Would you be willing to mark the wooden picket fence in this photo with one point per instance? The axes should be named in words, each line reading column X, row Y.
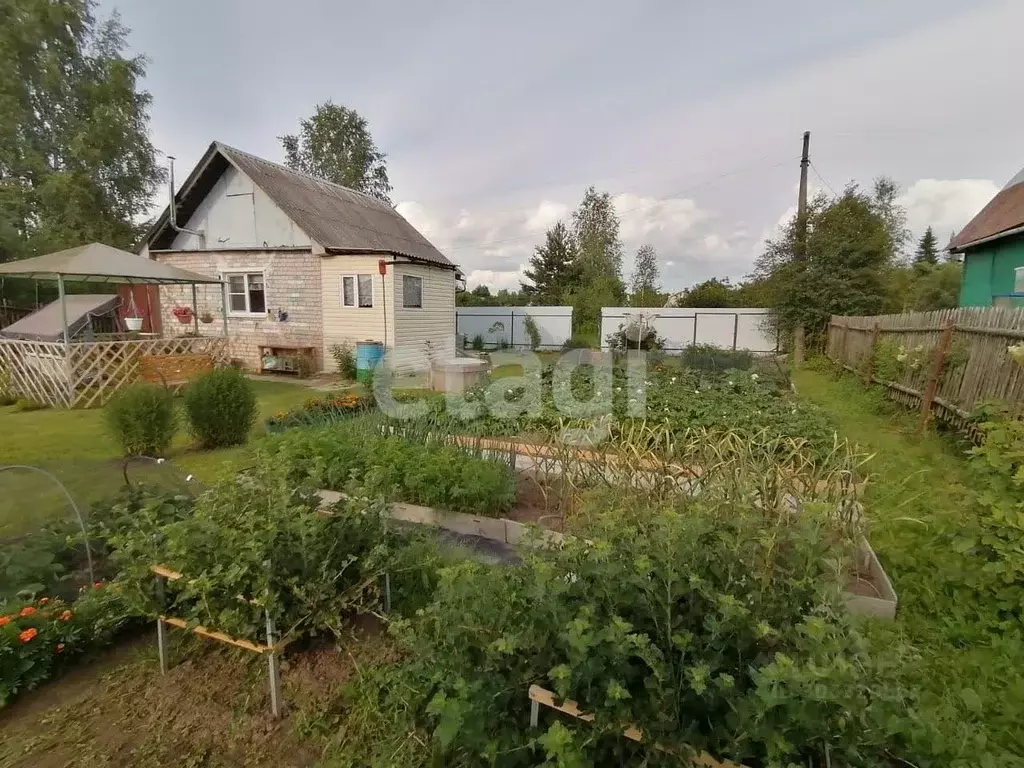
column 958, row 358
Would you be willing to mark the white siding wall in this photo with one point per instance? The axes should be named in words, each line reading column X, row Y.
column 354, row 324
column 434, row 322
column 238, row 214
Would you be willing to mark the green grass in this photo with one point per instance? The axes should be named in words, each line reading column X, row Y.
column 75, row 446
column 917, row 500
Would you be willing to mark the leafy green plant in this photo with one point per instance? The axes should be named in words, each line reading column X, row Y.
column 635, row 334
column 360, row 457
column 582, row 341
column 707, row 357
column 221, row 408
column 7, row 395
column 532, row 331
column 478, row 343
column 142, row 419
column 344, row 360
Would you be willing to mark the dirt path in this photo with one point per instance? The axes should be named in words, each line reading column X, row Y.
column 211, row 709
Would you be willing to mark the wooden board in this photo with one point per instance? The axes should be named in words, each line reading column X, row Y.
column 173, row 369
column 571, row 708
column 219, row 636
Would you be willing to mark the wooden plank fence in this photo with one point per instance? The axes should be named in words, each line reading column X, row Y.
column 942, row 363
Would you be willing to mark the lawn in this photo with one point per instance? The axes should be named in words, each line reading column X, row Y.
column 74, row 445
column 917, row 502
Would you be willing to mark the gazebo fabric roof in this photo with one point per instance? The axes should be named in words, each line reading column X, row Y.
column 100, row 263
column 45, row 324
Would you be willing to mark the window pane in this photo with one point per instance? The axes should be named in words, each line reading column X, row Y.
column 1018, row 282
column 236, row 283
column 237, row 302
column 257, row 294
column 255, row 281
column 348, row 291
column 412, row 291
column 365, row 290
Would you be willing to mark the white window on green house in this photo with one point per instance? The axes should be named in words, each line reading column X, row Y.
column 247, row 294
column 1018, row 280
column 357, row 291
column 412, row 292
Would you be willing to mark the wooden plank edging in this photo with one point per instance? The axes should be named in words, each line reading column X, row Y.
column 571, row 708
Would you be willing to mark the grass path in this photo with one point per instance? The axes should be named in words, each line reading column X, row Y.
column 917, row 501
column 75, row 446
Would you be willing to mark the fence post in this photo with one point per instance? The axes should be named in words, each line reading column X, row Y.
column 798, row 345
column 512, row 333
column 933, row 375
column 869, row 369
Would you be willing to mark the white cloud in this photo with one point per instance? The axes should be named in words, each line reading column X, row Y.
column 494, row 280
column 945, row 204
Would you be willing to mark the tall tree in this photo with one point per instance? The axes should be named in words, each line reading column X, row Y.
column 927, row 249
column 76, row 161
column 849, row 255
column 710, row 293
column 550, row 269
column 335, row 144
column 597, row 269
column 884, row 200
column 646, row 291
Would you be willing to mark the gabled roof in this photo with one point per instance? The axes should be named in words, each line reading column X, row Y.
column 1003, row 215
column 340, row 219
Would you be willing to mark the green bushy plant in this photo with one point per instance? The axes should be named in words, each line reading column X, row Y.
column 7, row 396
column 635, row 334
column 27, row 404
column 344, row 360
column 142, row 419
column 532, row 331
column 478, row 343
column 582, row 341
column 221, row 408
column 707, row 357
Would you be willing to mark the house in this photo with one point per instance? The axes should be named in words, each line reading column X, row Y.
column 992, row 245
column 307, row 264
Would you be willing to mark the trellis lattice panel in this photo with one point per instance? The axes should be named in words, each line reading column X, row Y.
column 37, row 370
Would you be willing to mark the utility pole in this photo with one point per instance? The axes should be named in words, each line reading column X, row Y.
column 801, row 203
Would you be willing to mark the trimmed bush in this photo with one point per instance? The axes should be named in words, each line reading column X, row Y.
column 221, row 408
column 141, row 418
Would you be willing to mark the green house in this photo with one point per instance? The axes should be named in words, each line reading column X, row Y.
column 992, row 245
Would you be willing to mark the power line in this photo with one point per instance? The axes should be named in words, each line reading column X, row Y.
column 674, row 195
column 822, row 179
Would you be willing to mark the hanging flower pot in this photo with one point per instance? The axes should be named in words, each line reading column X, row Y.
column 184, row 314
column 206, row 317
column 133, row 324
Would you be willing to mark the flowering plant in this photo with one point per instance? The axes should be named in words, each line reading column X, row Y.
column 1016, row 353
column 184, row 314
column 321, row 411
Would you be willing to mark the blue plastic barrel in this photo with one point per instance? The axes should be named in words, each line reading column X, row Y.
column 368, row 355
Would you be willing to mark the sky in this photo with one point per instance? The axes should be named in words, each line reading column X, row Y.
column 496, row 117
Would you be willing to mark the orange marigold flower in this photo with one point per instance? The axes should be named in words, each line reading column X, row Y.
column 4, row 621
column 97, row 584
column 28, row 610
column 28, row 634
column 60, row 647
column 66, row 616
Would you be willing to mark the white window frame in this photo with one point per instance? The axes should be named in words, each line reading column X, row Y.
column 244, row 274
column 1018, row 280
column 412, row 306
column 356, row 294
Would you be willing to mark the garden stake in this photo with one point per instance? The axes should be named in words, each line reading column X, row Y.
column 161, row 630
column 387, row 592
column 272, row 668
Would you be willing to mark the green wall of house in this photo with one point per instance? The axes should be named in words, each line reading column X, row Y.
column 990, row 270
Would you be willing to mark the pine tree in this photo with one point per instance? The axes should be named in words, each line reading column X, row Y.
column 646, row 290
column 927, row 249
column 551, row 267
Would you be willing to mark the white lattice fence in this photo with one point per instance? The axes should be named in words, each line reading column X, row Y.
column 38, row 370
column 100, row 368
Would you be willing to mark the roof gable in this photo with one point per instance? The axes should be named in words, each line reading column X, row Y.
column 1003, row 214
column 337, row 218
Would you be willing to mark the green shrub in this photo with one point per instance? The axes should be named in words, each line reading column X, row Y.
column 478, row 343
column 345, row 360
column 581, row 341
column 635, row 334
column 221, row 408
column 707, row 357
column 7, row 396
column 142, row 419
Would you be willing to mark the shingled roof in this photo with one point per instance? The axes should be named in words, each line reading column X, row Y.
column 1003, row 214
column 335, row 217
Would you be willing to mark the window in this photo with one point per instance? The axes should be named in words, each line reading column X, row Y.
column 246, row 293
column 357, row 291
column 1018, row 280
column 412, row 291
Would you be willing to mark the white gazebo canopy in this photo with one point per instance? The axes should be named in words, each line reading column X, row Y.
column 98, row 263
